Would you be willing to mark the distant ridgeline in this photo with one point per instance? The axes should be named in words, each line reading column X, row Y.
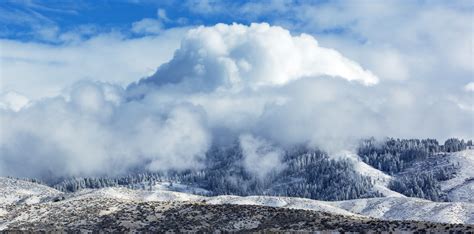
column 418, row 165
column 308, row 173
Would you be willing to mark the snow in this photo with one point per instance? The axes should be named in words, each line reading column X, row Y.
column 380, row 179
column 15, row 191
column 393, row 208
column 283, row 202
column 461, row 187
column 177, row 187
column 390, row 208
column 121, row 193
column 108, row 211
column 3, row 212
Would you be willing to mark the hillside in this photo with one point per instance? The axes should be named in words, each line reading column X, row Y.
column 394, row 168
column 18, row 192
column 461, row 186
column 379, row 179
column 150, row 201
column 122, row 209
column 458, row 186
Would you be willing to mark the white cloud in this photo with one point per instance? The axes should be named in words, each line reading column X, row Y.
column 38, row 70
column 260, row 157
column 161, row 13
column 205, row 6
column 13, row 101
column 397, row 40
column 92, row 133
column 147, row 26
column 150, row 26
column 389, row 64
column 237, row 56
column 257, row 83
column 248, row 86
column 469, row 87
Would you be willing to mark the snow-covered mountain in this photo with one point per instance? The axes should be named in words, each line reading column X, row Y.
column 396, row 168
column 25, row 205
column 459, row 188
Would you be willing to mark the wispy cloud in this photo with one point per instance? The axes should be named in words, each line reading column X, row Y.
column 24, row 19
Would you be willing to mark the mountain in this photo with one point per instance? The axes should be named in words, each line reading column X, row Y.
column 30, row 206
column 457, row 187
column 402, row 185
column 394, row 168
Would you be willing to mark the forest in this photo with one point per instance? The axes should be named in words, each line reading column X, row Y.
column 306, row 172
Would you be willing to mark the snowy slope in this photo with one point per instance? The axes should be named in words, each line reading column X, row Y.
column 461, row 187
column 380, row 179
column 16, row 194
column 171, row 186
column 284, row 202
column 393, row 208
column 122, row 210
column 388, row 208
column 13, row 191
column 121, row 193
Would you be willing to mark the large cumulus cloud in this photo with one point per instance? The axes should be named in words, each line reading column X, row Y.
column 256, row 83
column 237, row 56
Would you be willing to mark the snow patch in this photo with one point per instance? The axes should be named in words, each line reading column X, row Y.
column 108, row 211
column 461, row 187
column 380, row 179
column 393, row 208
column 13, row 191
column 3, row 212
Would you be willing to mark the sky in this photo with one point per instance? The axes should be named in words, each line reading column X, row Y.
column 99, row 87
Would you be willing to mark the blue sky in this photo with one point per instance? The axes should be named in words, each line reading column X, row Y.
column 21, row 20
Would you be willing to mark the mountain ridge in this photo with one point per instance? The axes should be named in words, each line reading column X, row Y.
column 388, row 208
